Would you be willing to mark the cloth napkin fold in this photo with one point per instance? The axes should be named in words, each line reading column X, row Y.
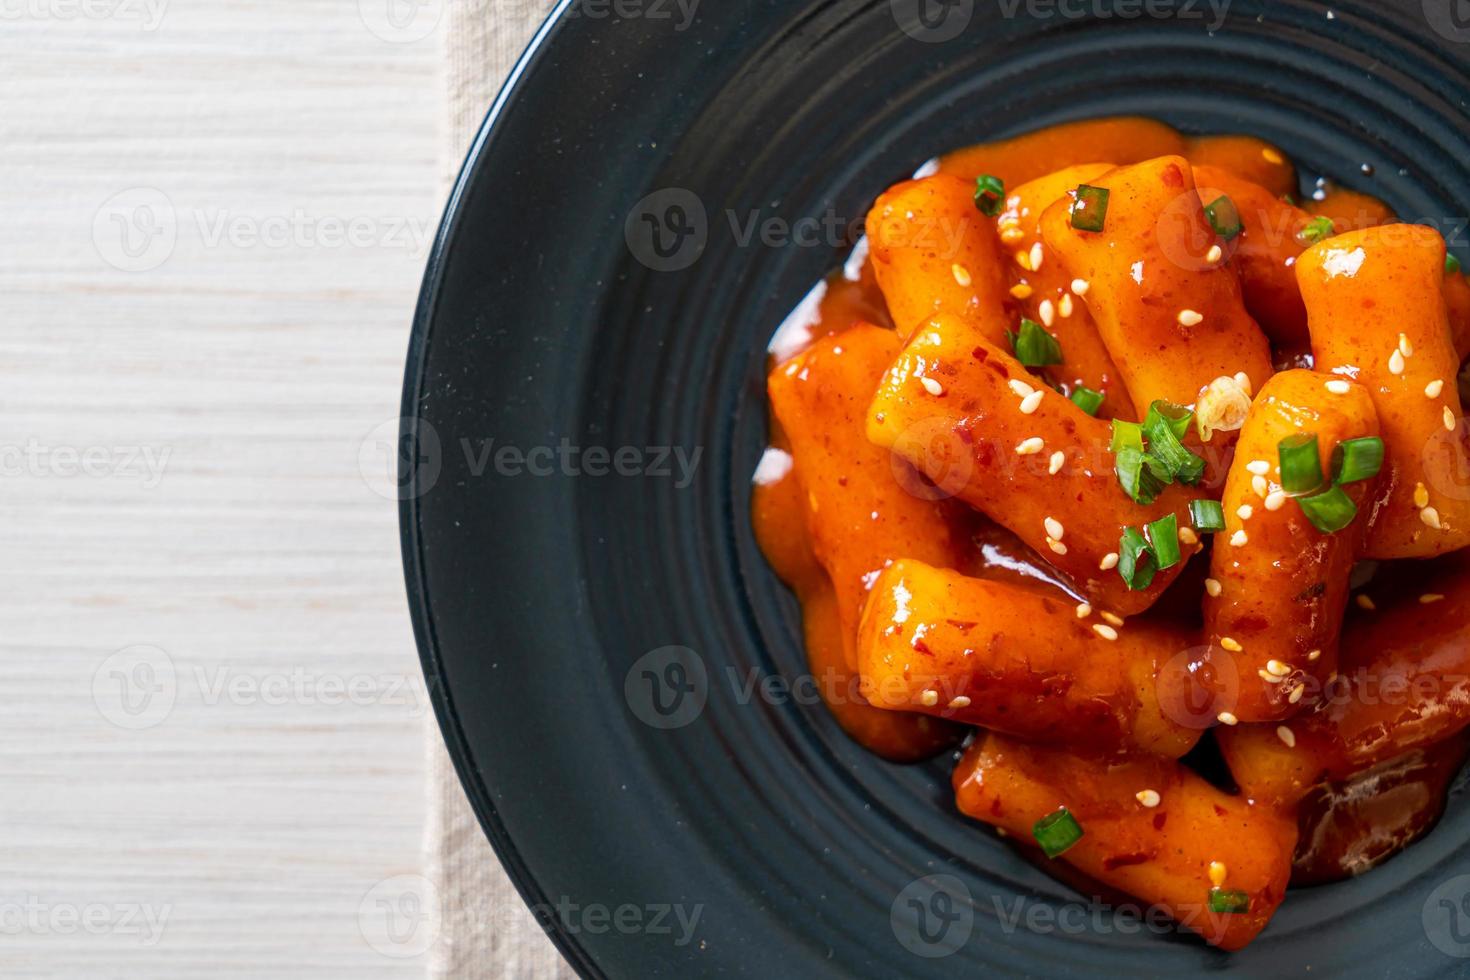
column 487, row 931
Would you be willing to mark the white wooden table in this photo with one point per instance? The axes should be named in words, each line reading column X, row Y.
column 214, row 217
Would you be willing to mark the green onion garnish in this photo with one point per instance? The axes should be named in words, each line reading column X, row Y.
column 1301, row 463
column 1137, row 475
column 1135, row 560
column 1090, row 211
column 1224, row 217
column 1329, row 511
column 1317, row 230
column 1163, row 427
column 1224, row 902
column 1207, row 515
column 990, row 191
column 1087, row 400
column 1163, row 538
column 1035, row 347
column 1057, row 832
column 1357, row 459
column 1451, row 264
column 1126, row 435
column 1289, row 199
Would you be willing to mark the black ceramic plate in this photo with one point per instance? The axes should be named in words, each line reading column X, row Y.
column 650, row 196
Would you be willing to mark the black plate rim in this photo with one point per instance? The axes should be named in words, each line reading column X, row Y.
column 447, row 715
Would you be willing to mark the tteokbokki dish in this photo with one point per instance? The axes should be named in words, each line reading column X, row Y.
column 1118, row 466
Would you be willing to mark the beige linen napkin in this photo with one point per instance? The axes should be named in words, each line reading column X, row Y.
column 487, row 931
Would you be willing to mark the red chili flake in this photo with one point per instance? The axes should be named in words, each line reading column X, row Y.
column 980, row 354
column 1159, row 819
column 922, row 647
column 1172, row 176
column 1220, row 810
column 963, row 626
column 1125, row 860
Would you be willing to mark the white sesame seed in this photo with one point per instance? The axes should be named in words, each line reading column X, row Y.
column 1217, row 873
column 1366, row 603
column 1296, row 693
column 1278, row 668
column 929, row 698
column 1021, row 291
column 1396, row 363
column 1339, row 387
column 1083, row 610
column 1405, row 348
column 1421, row 495
column 1064, row 305
column 1031, row 403
column 1030, row 447
column 1245, row 511
column 1239, row 539
column 932, row 387
column 1231, row 644
column 1276, row 500
column 1430, row 597
column 1149, row 798
column 1286, row 735
column 1434, row 389
column 1260, row 487
column 1190, row 318
column 1259, row 467
column 1020, row 388
column 1106, row 632
column 1054, row 528
column 1213, row 587
column 1112, row 619
column 1430, row 516
column 1024, row 261
column 1214, row 255
column 1314, row 656
column 1048, row 312
column 1272, row 156
column 961, row 274
column 1080, row 286
column 960, row 702
column 1056, row 546
column 1058, row 460
column 1036, row 256
column 1449, row 419
column 1269, row 677
column 1187, row 536
column 1226, row 718
column 1109, row 561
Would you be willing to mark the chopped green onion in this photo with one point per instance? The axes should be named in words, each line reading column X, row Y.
column 1137, row 475
column 1451, row 264
column 1317, row 230
column 1289, row 199
column 1126, row 435
column 1165, row 424
column 1035, row 347
column 1301, row 463
column 990, row 191
column 1135, row 560
column 1087, row 400
column 1090, row 212
column 1207, row 515
column 1163, row 537
column 1224, row 902
column 1329, row 511
column 1057, row 832
column 1224, row 217
column 1357, row 459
